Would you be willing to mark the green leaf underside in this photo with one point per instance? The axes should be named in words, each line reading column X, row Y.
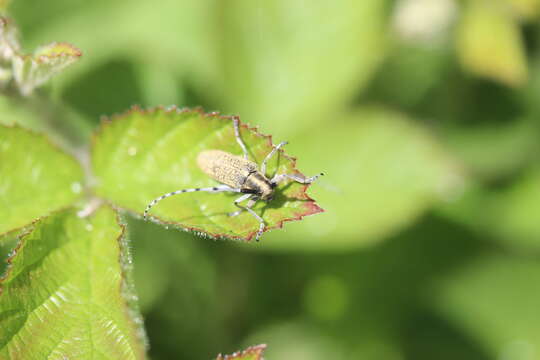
column 141, row 155
column 251, row 353
column 36, row 179
column 61, row 297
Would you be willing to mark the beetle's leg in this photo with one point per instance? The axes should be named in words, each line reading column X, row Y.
column 261, row 221
column 279, row 178
column 236, row 123
column 215, row 189
column 270, row 154
column 250, row 204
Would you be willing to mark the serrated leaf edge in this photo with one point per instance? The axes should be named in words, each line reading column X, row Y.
column 42, row 58
column 127, row 287
column 29, row 228
column 256, row 350
column 312, row 206
column 135, row 323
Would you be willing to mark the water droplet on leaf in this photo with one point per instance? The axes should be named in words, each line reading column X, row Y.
column 76, row 187
column 132, row 151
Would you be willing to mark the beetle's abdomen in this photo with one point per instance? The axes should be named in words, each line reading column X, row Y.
column 225, row 167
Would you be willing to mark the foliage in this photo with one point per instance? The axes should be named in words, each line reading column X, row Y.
column 31, row 70
column 37, row 177
column 423, row 114
column 55, row 301
column 141, row 155
column 251, row 353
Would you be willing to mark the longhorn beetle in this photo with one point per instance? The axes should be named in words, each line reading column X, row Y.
column 240, row 175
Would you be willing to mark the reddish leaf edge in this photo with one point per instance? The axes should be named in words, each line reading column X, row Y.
column 125, row 290
column 311, row 205
column 256, row 350
column 42, row 58
column 26, row 230
column 77, row 53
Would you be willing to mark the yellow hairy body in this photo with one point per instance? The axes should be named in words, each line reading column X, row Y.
column 225, row 167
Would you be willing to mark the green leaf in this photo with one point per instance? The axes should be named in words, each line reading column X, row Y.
column 383, row 171
column 64, row 293
column 251, row 353
column 141, row 155
column 489, row 43
column 508, row 214
column 495, row 300
column 31, row 71
column 37, row 177
column 286, row 64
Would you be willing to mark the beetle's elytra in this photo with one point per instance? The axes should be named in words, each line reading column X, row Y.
column 235, row 171
column 238, row 174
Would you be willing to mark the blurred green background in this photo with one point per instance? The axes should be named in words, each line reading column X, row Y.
column 425, row 116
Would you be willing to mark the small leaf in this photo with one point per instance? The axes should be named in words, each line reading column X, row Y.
column 251, row 353
column 489, row 43
column 36, row 179
column 9, row 41
column 31, row 71
column 141, row 155
column 62, row 295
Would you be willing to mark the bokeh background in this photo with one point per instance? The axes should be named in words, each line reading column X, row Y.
column 425, row 116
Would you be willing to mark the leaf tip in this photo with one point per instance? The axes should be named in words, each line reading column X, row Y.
column 56, row 50
column 255, row 352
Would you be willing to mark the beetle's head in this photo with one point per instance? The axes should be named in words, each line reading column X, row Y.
column 267, row 191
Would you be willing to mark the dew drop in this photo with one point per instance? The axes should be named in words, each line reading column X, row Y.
column 76, row 187
column 89, row 227
column 132, row 151
column 166, row 228
column 36, row 172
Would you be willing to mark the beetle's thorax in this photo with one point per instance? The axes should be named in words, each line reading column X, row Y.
column 259, row 184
